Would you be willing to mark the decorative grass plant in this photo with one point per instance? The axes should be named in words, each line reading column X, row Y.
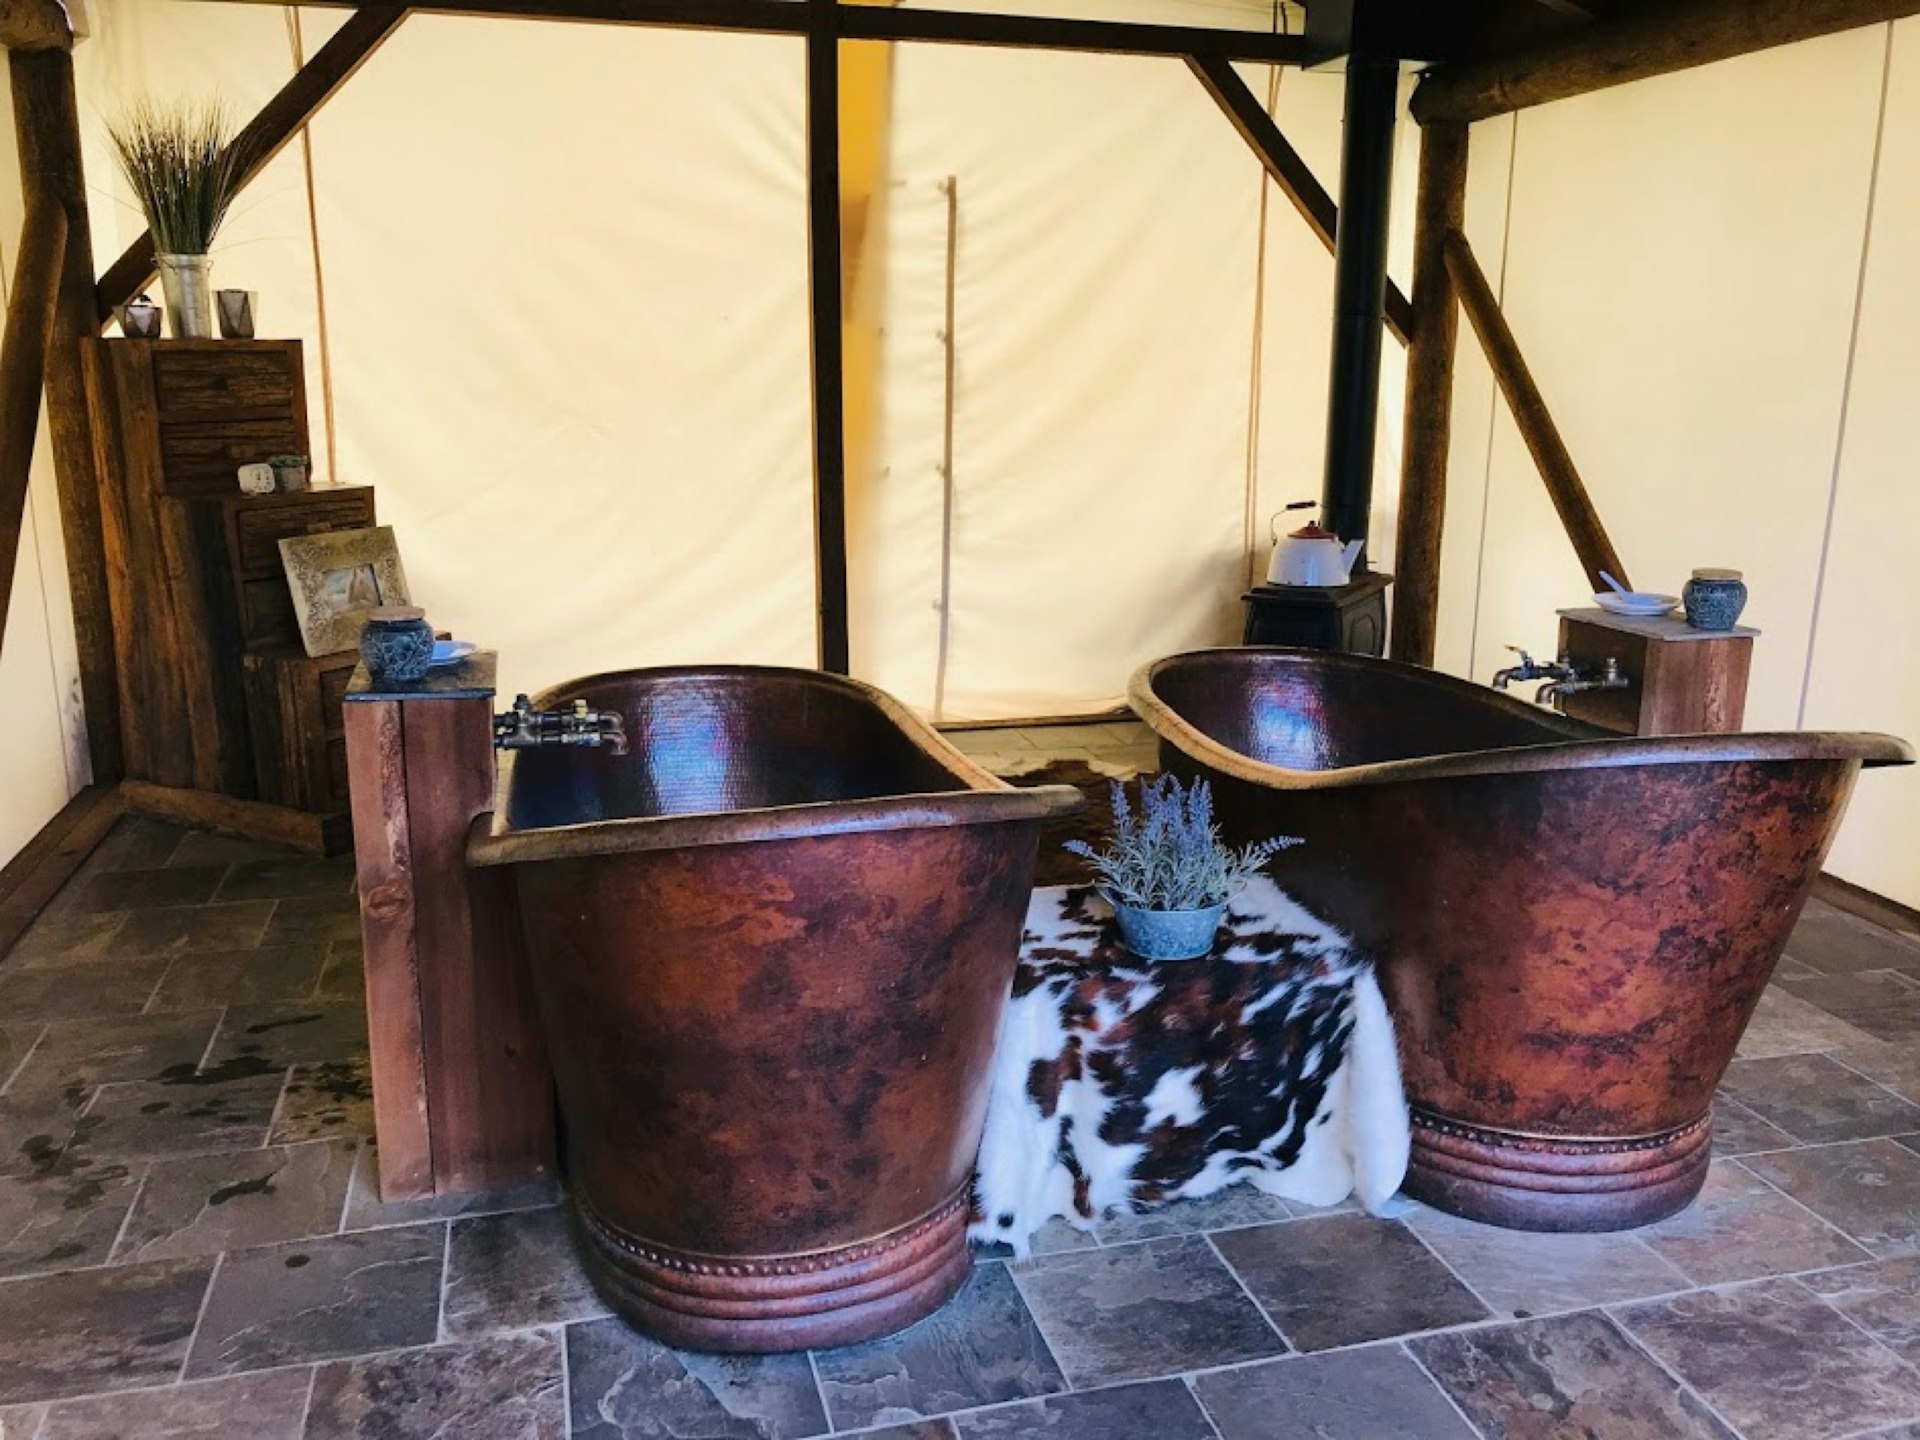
column 1170, row 855
column 181, row 165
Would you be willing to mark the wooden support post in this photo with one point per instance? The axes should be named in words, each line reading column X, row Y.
column 23, row 362
column 829, row 379
column 46, row 123
column 1564, row 485
column 462, row 1094
column 1286, row 168
column 1439, row 210
column 1651, row 40
column 269, row 132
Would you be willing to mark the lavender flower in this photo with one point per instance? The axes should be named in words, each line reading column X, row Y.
column 1169, row 856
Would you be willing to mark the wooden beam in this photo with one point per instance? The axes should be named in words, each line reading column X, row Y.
column 826, row 309
column 1286, row 168
column 865, row 22
column 34, row 25
column 1564, row 485
column 270, row 131
column 1439, row 210
column 23, row 363
column 45, row 863
column 1657, row 40
column 46, row 123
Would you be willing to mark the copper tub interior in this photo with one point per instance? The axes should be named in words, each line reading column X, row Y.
column 771, row 945
column 1572, row 929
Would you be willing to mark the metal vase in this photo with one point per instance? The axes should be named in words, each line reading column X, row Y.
column 187, row 281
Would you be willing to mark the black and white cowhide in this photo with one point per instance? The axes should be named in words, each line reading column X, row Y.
column 1120, row 1084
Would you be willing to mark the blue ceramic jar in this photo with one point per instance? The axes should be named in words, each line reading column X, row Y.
column 1714, row 599
column 397, row 644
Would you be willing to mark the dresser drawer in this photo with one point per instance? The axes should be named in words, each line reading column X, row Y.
column 217, row 382
column 203, row 459
column 258, row 532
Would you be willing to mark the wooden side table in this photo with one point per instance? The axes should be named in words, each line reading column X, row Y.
column 1684, row 681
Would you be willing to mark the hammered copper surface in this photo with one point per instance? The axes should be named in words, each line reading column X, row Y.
column 1571, row 931
column 771, row 945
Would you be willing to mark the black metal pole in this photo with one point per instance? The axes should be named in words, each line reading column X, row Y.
column 829, row 383
column 1359, row 292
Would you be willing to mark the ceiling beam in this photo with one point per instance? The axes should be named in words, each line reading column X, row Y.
column 269, row 132
column 869, row 22
column 35, row 25
column 1657, row 41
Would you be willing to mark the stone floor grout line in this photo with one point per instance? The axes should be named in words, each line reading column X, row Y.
column 126, row 1220
column 206, row 1299
column 1252, row 1299
column 446, row 1269
column 39, row 1039
column 1040, row 1329
column 566, row 1382
column 1446, row 1394
column 306, row 1405
column 1795, row 1199
column 819, row 1391
column 1870, row 1079
column 1193, row 1391
column 212, row 1040
column 1686, row 1387
column 1454, row 1271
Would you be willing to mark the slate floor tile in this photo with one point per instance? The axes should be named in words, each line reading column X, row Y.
column 87, row 1331
column 1376, row 1393
column 61, row 937
column 1818, row 1100
column 1883, row 1003
column 198, row 847
column 1776, row 1361
column 67, row 992
column 1832, row 941
column 152, row 1120
column 1868, row 1188
column 1895, row 1064
column 509, row 1388
column 344, row 976
column 1235, row 1206
column 1571, row 1377
column 941, row 1429
column 512, row 1271
column 136, row 842
column 116, row 1047
column 1163, row 1409
column 981, row 1347
column 16, row 1043
column 204, row 1204
column 1882, row 1298
column 1784, row 1024
column 326, row 1101
column 294, row 878
column 322, row 1299
column 624, row 1386
column 66, row 1219
column 181, row 929
column 366, row 1210
column 1738, row 1131
column 1346, row 1279
column 270, row 1406
column 145, row 889
column 1521, row 1273
column 293, row 1032
column 325, row 917
column 36, row 1126
column 1741, row 1228
column 237, row 977
column 19, row 1422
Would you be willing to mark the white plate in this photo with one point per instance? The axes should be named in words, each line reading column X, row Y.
column 450, row 652
column 1639, row 603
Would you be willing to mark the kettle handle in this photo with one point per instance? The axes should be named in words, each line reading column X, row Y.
column 1273, row 523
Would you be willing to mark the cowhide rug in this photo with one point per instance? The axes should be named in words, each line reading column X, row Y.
column 1120, row 1084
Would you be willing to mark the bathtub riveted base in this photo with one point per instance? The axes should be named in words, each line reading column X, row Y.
column 1536, row 1182
column 764, row 1304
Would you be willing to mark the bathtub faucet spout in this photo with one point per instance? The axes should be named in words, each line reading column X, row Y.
column 525, row 728
column 1577, row 678
column 1528, row 669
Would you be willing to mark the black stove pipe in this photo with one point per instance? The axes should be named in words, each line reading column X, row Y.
column 1359, row 293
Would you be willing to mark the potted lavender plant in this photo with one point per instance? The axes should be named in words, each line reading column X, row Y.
column 1167, row 873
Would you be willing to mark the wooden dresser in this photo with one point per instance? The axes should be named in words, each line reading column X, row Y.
column 218, row 699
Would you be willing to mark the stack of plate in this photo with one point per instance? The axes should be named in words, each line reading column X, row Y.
column 1636, row 602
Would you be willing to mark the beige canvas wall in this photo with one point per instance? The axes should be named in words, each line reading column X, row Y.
column 1681, row 260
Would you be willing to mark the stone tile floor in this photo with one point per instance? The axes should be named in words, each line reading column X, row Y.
column 191, row 1243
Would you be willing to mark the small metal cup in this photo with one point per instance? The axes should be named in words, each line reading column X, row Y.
column 139, row 319
column 235, row 311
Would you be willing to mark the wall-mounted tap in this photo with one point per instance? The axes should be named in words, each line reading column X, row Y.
column 525, row 728
column 1528, row 669
column 1578, row 678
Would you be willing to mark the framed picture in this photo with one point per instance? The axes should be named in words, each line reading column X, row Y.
column 336, row 578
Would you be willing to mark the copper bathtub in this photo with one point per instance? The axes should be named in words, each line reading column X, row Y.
column 771, row 946
column 1572, row 930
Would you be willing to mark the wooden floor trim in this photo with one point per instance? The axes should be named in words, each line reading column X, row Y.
column 33, row 877
column 1860, row 901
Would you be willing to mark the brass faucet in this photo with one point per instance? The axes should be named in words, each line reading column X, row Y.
column 525, row 728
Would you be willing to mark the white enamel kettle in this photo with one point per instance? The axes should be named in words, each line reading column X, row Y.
column 1309, row 555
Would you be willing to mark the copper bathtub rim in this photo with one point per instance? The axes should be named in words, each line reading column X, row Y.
column 1586, row 747
column 986, row 799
